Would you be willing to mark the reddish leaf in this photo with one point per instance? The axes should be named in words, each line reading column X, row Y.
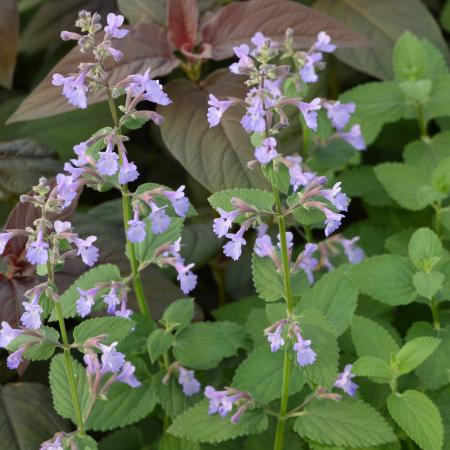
column 9, row 36
column 146, row 46
column 238, row 22
column 182, row 23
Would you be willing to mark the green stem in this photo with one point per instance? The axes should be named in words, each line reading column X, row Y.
column 67, row 358
column 437, row 220
column 422, row 122
column 126, row 211
column 435, row 313
column 281, row 423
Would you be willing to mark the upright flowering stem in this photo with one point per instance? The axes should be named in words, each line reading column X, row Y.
column 67, row 358
column 127, row 215
column 279, row 435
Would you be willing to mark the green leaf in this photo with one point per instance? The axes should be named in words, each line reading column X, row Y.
column 104, row 273
column 409, row 58
column 348, row 422
column 437, row 106
column 204, row 345
column 197, row 425
column 115, row 329
column 84, row 442
column 428, row 284
column 315, row 327
column 440, row 177
column 267, row 281
column 408, row 185
column 371, row 339
column 238, row 311
column 261, row 200
column 179, row 313
column 158, row 343
column 261, row 374
column 130, row 438
column 136, row 342
column 169, row 442
column 145, row 251
column 278, row 175
column 335, row 297
column 416, row 92
column 386, row 278
column 425, row 249
column 434, row 371
column 370, row 366
column 419, row 418
column 40, row 348
column 415, row 352
column 27, row 416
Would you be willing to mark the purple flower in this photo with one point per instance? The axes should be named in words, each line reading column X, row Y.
column 66, row 189
column 289, row 240
column 179, row 201
column 216, row 109
column 114, row 24
column 337, row 198
column 187, row 380
column 107, row 165
column 53, row 444
column 264, row 246
column 151, row 90
column 307, row 72
column 307, row 262
column 222, row 225
column 74, row 88
column 233, row 248
column 123, row 311
column 86, row 301
column 14, row 359
column 267, row 151
column 354, row 253
column 87, row 251
column 339, row 113
column 128, row 171
column 354, row 137
column 187, row 279
column 8, row 334
column 297, row 176
column 258, row 40
column 309, row 112
column 305, row 354
column 92, row 363
column 31, row 318
column 4, row 239
column 62, row 227
column 245, row 62
column 111, row 300
column 253, row 122
column 344, row 381
column 112, row 360
column 127, row 375
column 37, row 252
column 219, row 401
column 275, row 339
column 136, row 228
column 160, row 220
column 332, row 221
column 323, row 43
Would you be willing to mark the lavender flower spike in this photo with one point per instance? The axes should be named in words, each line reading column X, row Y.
column 344, row 381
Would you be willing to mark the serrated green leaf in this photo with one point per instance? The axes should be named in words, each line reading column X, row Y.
column 437, row 106
column 428, row 284
column 179, row 313
column 348, row 422
column 84, row 442
column 415, row 352
column 104, row 273
column 371, row 339
column 370, row 366
column 315, row 327
column 267, row 281
column 158, row 343
column 115, row 329
column 261, row 374
column 425, row 249
column 261, row 200
column 278, row 174
column 169, row 442
column 39, row 348
column 417, row 91
column 440, row 177
column 409, row 58
column 135, row 343
column 239, row 310
column 386, row 278
column 197, row 425
column 204, row 345
column 419, row 418
column 335, row 297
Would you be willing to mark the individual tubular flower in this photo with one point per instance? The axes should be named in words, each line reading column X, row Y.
column 222, row 224
column 86, row 300
column 111, row 300
column 274, row 335
column 37, row 251
column 179, row 201
column 337, row 198
column 159, row 219
column 216, row 109
column 233, row 248
column 339, row 113
column 86, row 249
column 14, row 359
column 309, row 112
column 187, row 380
column 53, row 444
column 142, row 87
column 31, row 318
column 136, row 227
column 245, row 63
column 354, row 253
column 344, row 381
column 305, row 354
column 74, row 88
column 8, row 334
column 66, row 189
column 307, row 262
column 222, row 402
column 4, row 239
column 128, row 171
column 112, row 360
column 113, row 28
column 354, row 137
column 267, row 151
column 264, row 247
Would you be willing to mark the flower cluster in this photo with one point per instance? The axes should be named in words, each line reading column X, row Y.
column 222, row 402
column 186, row 379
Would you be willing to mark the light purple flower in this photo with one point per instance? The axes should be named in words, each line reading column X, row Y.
column 332, row 221
column 354, row 137
column 4, row 239
column 31, row 318
column 308, row 71
column 14, row 359
column 179, row 201
column 151, row 90
column 264, row 246
column 127, row 375
column 216, row 109
column 344, row 381
column 62, row 227
column 219, row 401
column 337, row 198
column 128, row 171
column 323, row 43
column 187, row 279
column 107, row 165
column 297, row 176
column 53, row 444
column 339, row 113
column 66, row 189
column 123, row 311
column 222, row 224
column 233, row 248
column 92, row 363
column 37, row 252
column 113, row 28
column 8, row 334
column 262, row 229
column 136, row 228
column 289, row 240
column 307, row 262
column 86, row 300
column 111, row 300
column 258, row 40
column 275, row 339
column 74, row 88
column 245, row 62
column 160, row 220
column 188, row 381
column 309, row 112
column 112, row 360
column 253, row 122
column 267, row 151
column 354, row 253
column 305, row 354
column 87, row 251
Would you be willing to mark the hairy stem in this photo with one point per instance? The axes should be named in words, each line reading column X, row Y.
column 126, row 211
column 281, row 423
column 435, row 313
column 422, row 122
column 67, row 358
